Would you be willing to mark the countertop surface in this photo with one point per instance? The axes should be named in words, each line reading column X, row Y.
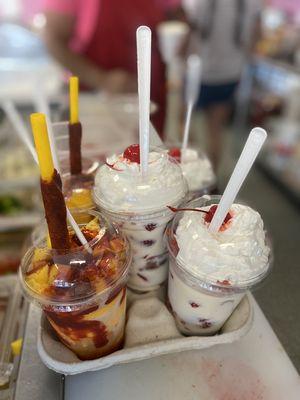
column 255, row 368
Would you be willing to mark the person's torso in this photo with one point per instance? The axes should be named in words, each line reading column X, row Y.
column 113, row 44
column 223, row 58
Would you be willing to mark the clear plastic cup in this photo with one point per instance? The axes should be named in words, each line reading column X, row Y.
column 77, row 189
column 82, row 294
column 199, row 303
column 150, row 260
column 196, row 168
column 141, row 219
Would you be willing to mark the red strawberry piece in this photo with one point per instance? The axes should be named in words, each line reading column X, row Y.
column 209, row 216
column 175, row 152
column 148, row 242
column 151, row 265
column 132, row 153
column 194, row 305
column 150, row 227
column 143, row 277
column 205, row 323
column 174, row 246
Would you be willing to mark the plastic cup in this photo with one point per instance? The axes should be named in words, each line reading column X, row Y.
column 77, row 189
column 149, row 267
column 82, row 295
column 197, row 170
column 200, row 304
column 144, row 227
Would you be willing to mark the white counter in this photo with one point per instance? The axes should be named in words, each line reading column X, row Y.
column 256, row 368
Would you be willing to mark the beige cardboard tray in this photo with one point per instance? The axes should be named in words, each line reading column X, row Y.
column 150, row 332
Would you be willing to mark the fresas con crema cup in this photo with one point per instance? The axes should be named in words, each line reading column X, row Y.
column 211, row 272
column 138, row 205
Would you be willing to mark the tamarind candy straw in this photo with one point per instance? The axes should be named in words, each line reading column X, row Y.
column 75, row 129
column 54, row 204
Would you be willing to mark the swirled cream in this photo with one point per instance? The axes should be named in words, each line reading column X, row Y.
column 197, row 170
column 237, row 253
column 120, row 187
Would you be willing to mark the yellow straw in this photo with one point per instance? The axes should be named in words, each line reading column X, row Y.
column 74, row 114
column 42, row 145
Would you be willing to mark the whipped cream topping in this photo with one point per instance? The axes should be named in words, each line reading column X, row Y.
column 197, row 170
column 236, row 254
column 119, row 185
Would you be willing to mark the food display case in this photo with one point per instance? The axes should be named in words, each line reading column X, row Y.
column 275, row 104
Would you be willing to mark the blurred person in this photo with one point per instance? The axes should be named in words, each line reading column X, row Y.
column 226, row 32
column 96, row 40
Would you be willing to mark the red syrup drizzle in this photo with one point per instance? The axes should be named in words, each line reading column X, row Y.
column 112, row 166
column 73, row 324
column 208, row 215
column 132, row 154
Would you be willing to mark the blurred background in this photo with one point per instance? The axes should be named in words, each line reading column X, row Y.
column 250, row 53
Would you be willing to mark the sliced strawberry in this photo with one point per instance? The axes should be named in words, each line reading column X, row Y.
column 209, row 216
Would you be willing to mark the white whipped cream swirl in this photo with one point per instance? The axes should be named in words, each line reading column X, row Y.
column 197, row 170
column 237, row 254
column 120, row 187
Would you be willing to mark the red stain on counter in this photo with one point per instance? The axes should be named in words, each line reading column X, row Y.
column 232, row 380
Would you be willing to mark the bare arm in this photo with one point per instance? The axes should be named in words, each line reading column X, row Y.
column 57, row 35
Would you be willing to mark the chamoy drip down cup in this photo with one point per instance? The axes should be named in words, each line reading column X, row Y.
column 139, row 207
column 210, row 273
column 196, row 169
column 82, row 293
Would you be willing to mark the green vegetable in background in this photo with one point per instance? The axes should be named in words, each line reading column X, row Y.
column 9, row 204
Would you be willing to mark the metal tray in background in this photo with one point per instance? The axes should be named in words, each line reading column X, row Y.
column 13, row 315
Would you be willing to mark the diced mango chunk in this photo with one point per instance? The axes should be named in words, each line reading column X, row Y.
column 117, row 244
column 80, row 198
column 93, row 225
column 16, row 347
column 40, row 254
column 38, row 281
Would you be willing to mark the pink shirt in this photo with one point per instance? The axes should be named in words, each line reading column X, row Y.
column 86, row 13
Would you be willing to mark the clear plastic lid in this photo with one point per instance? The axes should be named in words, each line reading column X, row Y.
column 69, row 277
column 120, row 188
column 208, row 269
column 196, row 167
